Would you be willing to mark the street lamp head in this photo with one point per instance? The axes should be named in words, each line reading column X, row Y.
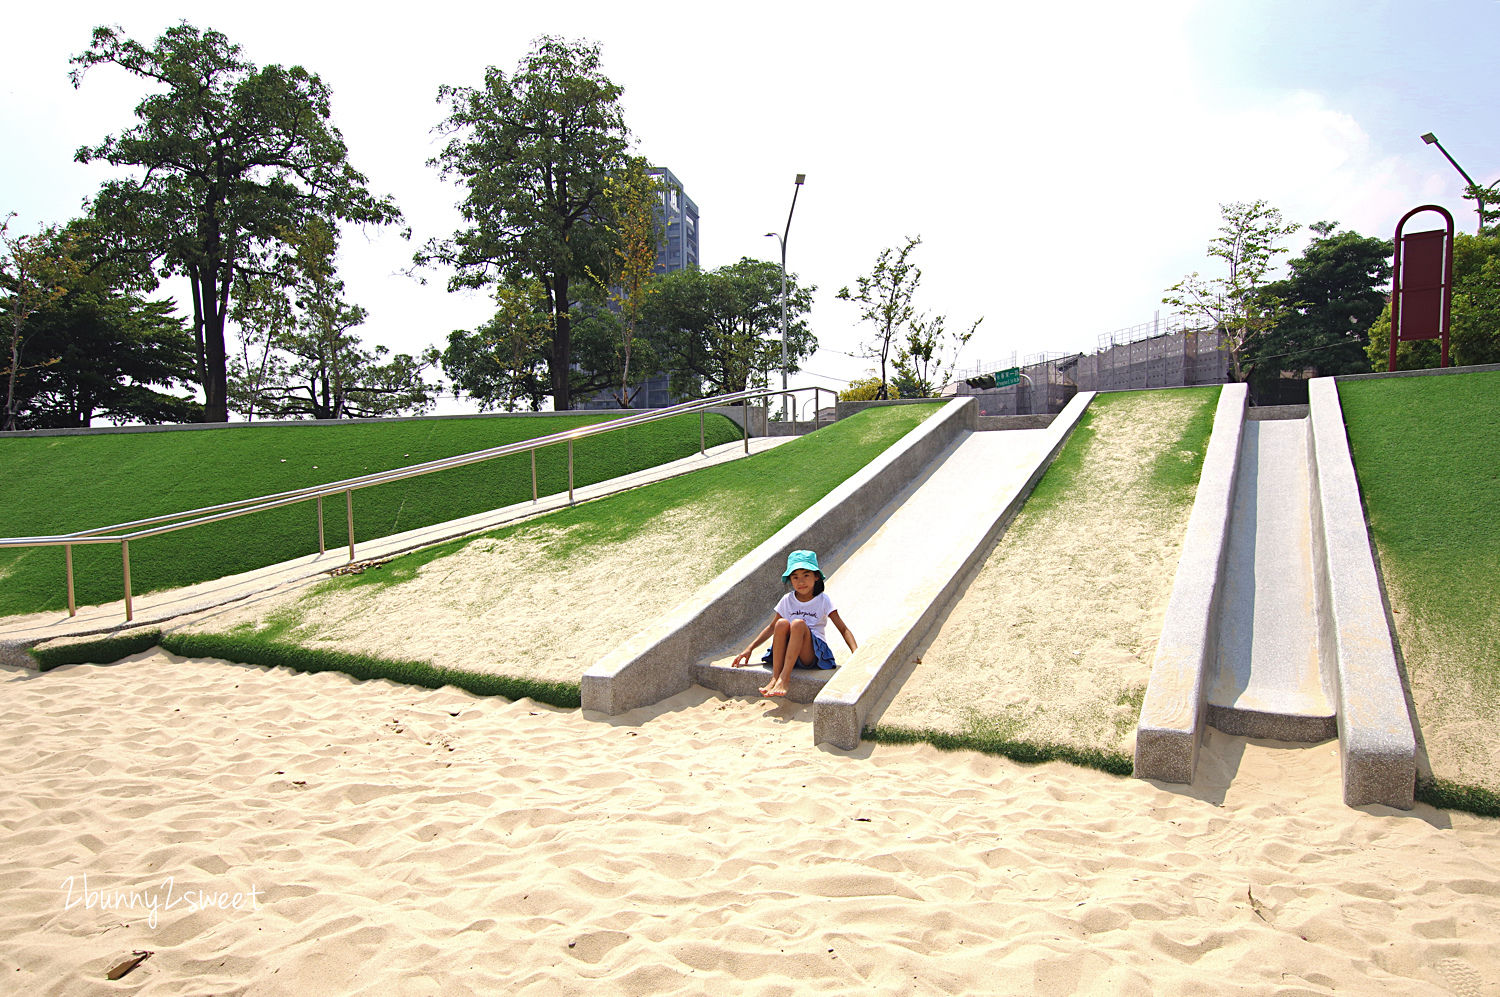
column 801, row 177
column 1429, row 138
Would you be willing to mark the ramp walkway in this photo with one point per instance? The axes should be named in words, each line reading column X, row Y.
column 906, row 533
column 1277, row 626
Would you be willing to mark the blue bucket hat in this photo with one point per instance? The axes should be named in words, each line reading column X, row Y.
column 801, row 559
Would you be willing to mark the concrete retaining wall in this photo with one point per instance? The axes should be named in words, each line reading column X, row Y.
column 657, row 662
column 1172, row 715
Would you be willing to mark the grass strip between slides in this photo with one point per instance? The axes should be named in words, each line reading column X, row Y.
column 1026, row 752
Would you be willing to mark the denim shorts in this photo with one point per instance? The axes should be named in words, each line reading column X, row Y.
column 822, row 654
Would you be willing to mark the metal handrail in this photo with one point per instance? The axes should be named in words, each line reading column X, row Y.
column 172, row 522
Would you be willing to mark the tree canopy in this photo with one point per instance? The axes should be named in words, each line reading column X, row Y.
column 311, row 361
column 230, row 157
column 1333, row 293
column 535, row 151
column 926, row 349
column 886, row 299
column 718, row 331
column 94, row 348
column 1237, row 303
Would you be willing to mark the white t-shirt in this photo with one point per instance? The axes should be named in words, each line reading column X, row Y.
column 814, row 612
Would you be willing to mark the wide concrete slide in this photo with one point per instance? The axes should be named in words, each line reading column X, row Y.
column 1269, row 676
column 1276, row 625
column 896, row 542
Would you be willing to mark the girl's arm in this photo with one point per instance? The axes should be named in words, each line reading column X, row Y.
column 743, row 658
column 838, row 621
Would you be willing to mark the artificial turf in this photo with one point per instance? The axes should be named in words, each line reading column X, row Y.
column 1174, row 471
column 1427, row 454
column 1068, row 493
column 750, row 499
column 61, row 484
column 758, row 494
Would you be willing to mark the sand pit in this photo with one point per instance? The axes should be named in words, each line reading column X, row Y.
column 400, row 840
column 1052, row 642
column 508, row 606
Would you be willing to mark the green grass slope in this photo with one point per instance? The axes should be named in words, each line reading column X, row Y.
column 1013, row 673
column 745, row 501
column 1427, row 454
column 58, row 484
column 750, row 499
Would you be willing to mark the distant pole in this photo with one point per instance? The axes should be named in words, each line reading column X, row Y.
column 1432, row 139
column 781, row 239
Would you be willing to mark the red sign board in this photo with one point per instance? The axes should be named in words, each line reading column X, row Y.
column 1422, row 285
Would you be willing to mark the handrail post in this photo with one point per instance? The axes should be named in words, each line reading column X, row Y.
column 349, row 505
column 570, row 472
column 125, row 562
column 700, row 433
column 791, row 399
column 745, row 422
column 322, row 544
column 533, row 474
column 68, row 559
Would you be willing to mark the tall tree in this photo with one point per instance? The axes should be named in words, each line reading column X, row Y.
column 230, row 155
column 99, row 349
column 718, row 330
column 34, row 273
column 1237, row 303
column 502, row 364
column 886, row 298
column 926, row 359
column 632, row 199
column 1332, row 295
column 536, row 151
column 324, row 371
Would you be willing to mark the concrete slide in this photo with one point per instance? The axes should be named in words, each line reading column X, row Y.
column 897, row 541
column 1276, row 626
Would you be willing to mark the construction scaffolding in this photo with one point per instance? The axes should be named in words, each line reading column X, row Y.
column 1141, row 356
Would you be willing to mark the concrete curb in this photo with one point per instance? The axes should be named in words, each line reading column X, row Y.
column 1172, row 715
column 657, row 662
column 1377, row 746
column 841, row 708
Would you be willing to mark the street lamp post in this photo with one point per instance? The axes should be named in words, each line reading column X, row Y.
column 781, row 239
column 1432, row 139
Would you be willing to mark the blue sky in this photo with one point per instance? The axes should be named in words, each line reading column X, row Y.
column 1063, row 165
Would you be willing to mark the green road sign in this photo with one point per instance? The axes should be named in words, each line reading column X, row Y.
column 1005, row 378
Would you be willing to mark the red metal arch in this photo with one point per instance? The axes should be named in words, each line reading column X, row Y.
column 1422, row 283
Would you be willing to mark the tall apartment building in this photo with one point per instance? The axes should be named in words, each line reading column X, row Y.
column 677, row 221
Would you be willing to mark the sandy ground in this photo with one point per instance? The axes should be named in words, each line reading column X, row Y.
column 266, row 832
column 1053, row 640
column 505, row 606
